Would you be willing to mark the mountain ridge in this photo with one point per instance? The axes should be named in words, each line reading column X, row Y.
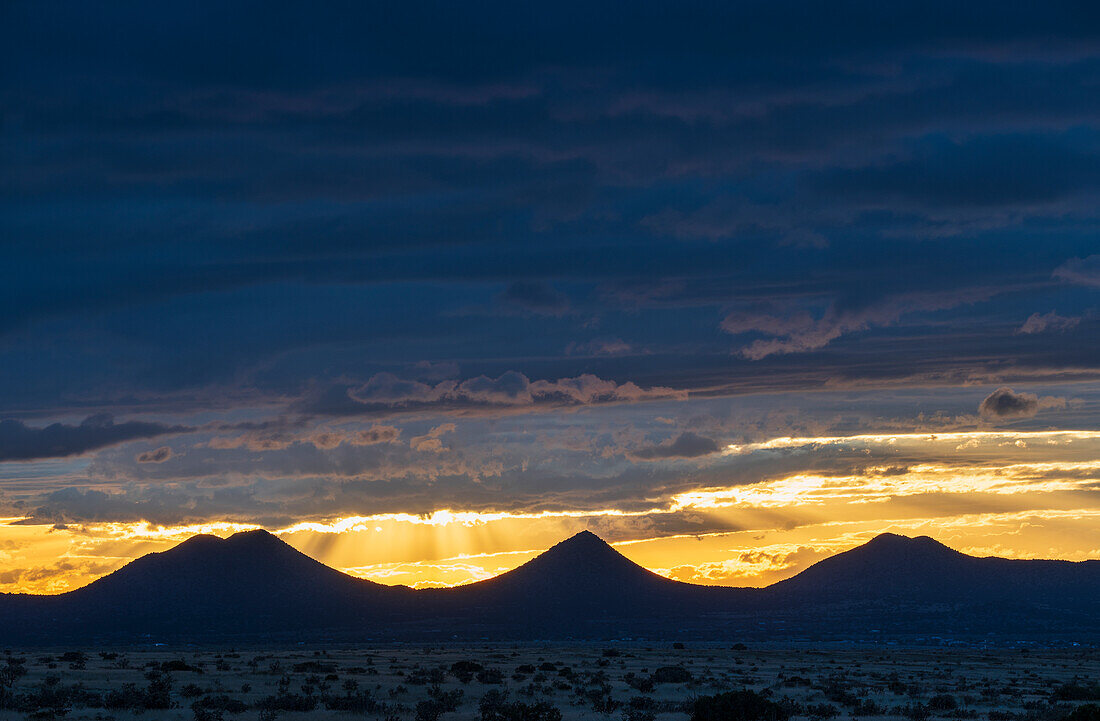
column 254, row 586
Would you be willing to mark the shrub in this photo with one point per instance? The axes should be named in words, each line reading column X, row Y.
column 822, row 711
column 286, row 701
column 353, row 703
column 671, row 674
column 221, row 703
column 157, row 695
column 206, row 714
column 1077, row 692
column 490, row 676
column 428, row 711
column 494, row 706
column 745, row 705
column 449, row 700
column 1086, row 712
column 644, row 684
column 464, row 670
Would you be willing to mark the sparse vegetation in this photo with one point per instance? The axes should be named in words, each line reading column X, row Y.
column 634, row 684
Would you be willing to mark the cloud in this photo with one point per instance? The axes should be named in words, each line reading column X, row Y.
column 510, row 390
column 147, row 503
column 372, row 435
column 253, row 441
column 600, row 347
column 1040, row 323
column 1007, row 403
column 1080, row 271
column 686, row 445
column 366, row 437
column 536, row 297
column 429, row 442
column 20, row 442
column 159, row 455
column 798, row 330
column 278, row 438
column 982, row 172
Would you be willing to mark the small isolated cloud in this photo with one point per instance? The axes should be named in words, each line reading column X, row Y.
column 536, row 297
column 158, row 455
column 253, row 441
column 686, row 445
column 20, row 442
column 372, row 435
column 1007, row 403
column 429, row 442
column 1043, row 322
column 1081, row 271
column 602, row 346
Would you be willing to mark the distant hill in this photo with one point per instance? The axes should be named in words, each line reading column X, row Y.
column 253, row 587
column 576, row 584
column 251, row 582
column 922, row 570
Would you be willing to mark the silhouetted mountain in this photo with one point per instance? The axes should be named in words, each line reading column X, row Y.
column 887, row 564
column 249, row 582
column 254, row 587
column 580, row 580
column 250, row 567
column 922, row 570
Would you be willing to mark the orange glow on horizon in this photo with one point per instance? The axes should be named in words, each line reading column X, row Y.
column 1016, row 494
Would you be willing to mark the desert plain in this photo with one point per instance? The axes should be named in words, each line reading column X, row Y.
column 629, row 681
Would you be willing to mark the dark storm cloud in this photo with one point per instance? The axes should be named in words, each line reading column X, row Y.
column 983, row 171
column 156, row 505
column 685, row 445
column 536, row 297
column 306, row 482
column 20, row 442
column 416, row 212
column 1007, row 403
column 158, row 455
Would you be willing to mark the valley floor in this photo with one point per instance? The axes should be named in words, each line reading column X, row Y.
column 632, row 683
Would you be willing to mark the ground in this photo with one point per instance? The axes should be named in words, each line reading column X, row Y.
column 598, row 682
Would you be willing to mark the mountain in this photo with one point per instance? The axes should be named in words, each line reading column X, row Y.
column 251, row 582
column 581, row 570
column 900, row 587
column 580, row 581
column 898, row 569
column 253, row 587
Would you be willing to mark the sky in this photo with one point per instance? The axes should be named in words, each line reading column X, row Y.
column 425, row 288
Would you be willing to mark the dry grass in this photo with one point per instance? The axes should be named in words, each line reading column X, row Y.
column 857, row 683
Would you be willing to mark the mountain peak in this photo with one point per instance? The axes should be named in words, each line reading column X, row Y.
column 582, row 561
column 584, row 539
column 203, row 548
column 888, row 562
column 257, row 537
column 896, row 543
